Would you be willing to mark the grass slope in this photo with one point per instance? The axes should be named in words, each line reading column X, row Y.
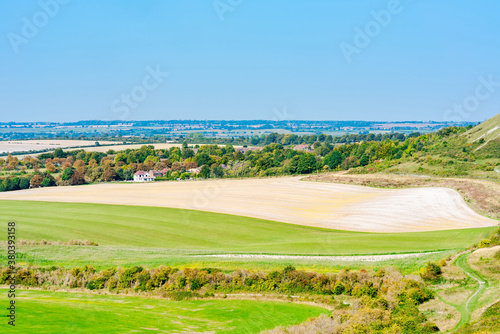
column 104, row 257
column 118, row 225
column 488, row 130
column 61, row 312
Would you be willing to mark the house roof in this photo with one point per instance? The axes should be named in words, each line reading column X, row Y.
column 140, row 172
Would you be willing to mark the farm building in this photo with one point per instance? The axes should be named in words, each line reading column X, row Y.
column 303, row 147
column 142, row 176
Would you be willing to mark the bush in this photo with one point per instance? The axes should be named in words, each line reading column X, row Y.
column 431, row 272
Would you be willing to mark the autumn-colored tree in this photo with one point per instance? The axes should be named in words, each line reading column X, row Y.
column 77, row 178
column 92, row 163
column 80, row 166
column 66, row 165
column 12, row 161
column 36, row 181
column 191, row 164
column 109, row 175
column 106, row 162
column 79, row 163
column 177, row 166
column 51, row 168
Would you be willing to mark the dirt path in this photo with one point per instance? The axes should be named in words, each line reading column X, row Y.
column 470, row 304
column 364, row 258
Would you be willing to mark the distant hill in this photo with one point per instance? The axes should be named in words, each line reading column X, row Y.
column 485, row 132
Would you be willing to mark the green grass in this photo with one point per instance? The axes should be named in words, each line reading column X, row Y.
column 176, row 229
column 487, row 323
column 104, row 257
column 62, row 312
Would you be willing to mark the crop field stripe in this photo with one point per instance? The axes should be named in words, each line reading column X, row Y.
column 122, row 225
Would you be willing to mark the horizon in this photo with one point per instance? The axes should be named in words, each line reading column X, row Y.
column 240, row 120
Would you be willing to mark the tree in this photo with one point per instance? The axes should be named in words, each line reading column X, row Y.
column 77, row 179
column 203, row 158
column 66, row 175
column 333, row 159
column 218, row 171
column 191, row 164
column 431, row 271
column 24, row 183
column 349, row 162
column 59, row 153
column 177, row 166
column 364, row 160
column 36, row 181
column 121, row 157
column 109, row 175
column 47, row 182
column 229, row 149
column 307, row 164
column 204, row 172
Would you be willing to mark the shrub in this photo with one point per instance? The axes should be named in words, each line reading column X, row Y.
column 431, row 272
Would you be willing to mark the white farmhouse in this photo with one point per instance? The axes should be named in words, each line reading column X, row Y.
column 142, row 176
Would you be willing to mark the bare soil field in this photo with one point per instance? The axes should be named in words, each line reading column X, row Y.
column 38, row 145
column 482, row 195
column 286, row 199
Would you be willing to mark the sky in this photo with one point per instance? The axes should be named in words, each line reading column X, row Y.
column 70, row 60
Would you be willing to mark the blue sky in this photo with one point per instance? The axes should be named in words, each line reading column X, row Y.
column 249, row 59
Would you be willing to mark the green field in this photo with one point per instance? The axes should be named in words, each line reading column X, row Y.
column 62, row 312
column 104, row 257
column 187, row 230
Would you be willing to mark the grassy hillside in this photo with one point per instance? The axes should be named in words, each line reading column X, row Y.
column 489, row 322
column 487, row 130
column 448, row 152
column 204, row 231
column 58, row 312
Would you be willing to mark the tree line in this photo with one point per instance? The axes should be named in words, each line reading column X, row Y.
column 277, row 157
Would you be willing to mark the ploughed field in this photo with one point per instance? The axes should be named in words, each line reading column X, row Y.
column 286, row 199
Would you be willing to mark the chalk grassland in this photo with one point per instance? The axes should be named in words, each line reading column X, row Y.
column 62, row 312
column 38, row 145
column 286, row 199
column 488, row 130
column 168, row 228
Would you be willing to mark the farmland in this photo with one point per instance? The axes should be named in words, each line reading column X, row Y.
column 341, row 207
column 60, row 312
column 39, row 145
column 229, row 247
column 168, row 228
